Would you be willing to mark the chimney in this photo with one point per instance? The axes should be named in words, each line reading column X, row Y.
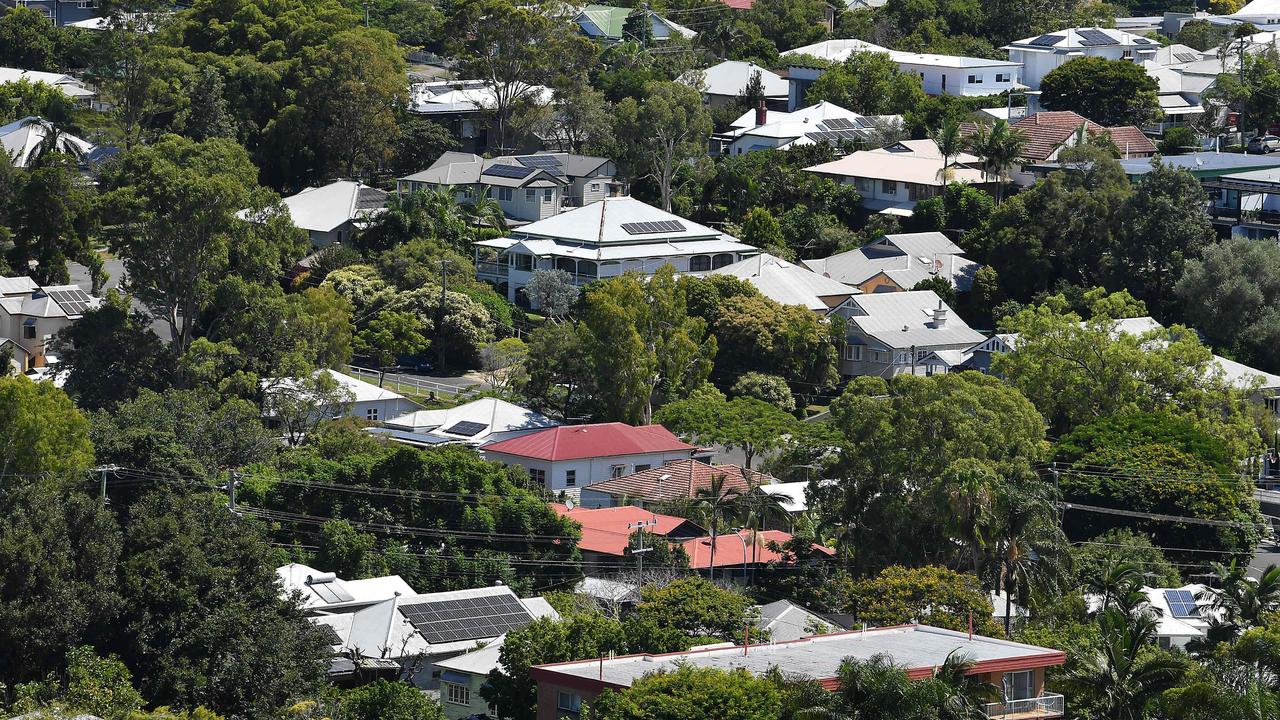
column 940, row 315
column 762, row 114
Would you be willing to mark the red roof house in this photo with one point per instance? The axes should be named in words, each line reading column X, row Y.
column 606, row 535
column 568, row 458
column 738, row 549
column 680, row 480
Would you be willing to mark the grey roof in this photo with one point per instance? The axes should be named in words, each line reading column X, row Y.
column 787, row 621
column 905, row 258
column 1203, row 161
column 902, row 320
column 459, row 168
column 922, row 243
column 914, row 647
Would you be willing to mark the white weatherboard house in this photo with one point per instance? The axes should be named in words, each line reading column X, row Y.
column 764, row 129
column 475, row 423
column 723, row 83
column 791, row 284
column 939, row 74
column 892, row 333
column 892, row 179
column 897, row 262
column 461, row 679
column 602, row 240
column 65, row 84
column 322, row 589
column 358, row 399
column 331, row 213
column 1045, row 53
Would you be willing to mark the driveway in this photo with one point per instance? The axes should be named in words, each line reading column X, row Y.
column 115, row 273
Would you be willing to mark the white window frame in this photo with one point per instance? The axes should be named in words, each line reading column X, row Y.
column 1004, row 77
column 617, row 471
column 538, row 476
column 1009, row 689
column 456, row 693
column 975, row 79
column 530, row 194
column 570, row 478
column 569, row 702
column 853, row 352
column 371, row 414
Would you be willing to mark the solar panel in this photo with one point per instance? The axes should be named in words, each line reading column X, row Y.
column 838, row 124
column 73, row 301
column 1181, row 603
column 1047, row 40
column 466, row 428
column 1092, row 38
column 330, row 592
column 648, row 228
column 467, row 618
column 1187, row 57
column 510, row 171
column 540, row 161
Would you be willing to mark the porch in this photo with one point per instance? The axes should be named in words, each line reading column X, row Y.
column 1048, row 705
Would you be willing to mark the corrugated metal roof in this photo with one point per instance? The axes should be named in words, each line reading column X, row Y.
column 588, row 441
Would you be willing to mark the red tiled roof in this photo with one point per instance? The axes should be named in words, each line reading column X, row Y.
column 730, row 549
column 573, row 442
column 738, row 4
column 1047, row 131
column 683, row 480
column 605, row 530
column 1131, row 141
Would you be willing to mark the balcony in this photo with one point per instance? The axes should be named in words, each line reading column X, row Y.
column 495, row 272
column 1049, row 705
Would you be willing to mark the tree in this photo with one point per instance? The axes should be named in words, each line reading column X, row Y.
column 24, row 98
column 761, row 229
column 1119, row 682
column 544, row 640
column 190, row 215
column 503, row 364
column 789, row 24
column 960, row 208
column 941, row 286
column 689, row 693
column 53, row 219
column 715, row 503
column 419, row 143
column 389, row 335
column 1000, row 147
column 387, row 700
column 101, row 686
column 251, row 652
column 1201, row 35
column 661, row 133
column 1108, row 92
column 950, row 144
column 1092, row 558
column 209, row 114
column 1231, row 295
column 1164, row 225
column 642, row 344
column 696, row 608
column 1179, row 141
column 768, row 388
column 929, row 595
column 109, row 354
column 560, row 376
column 1244, row 602
column 869, row 84
column 551, row 291
column 760, row 334
column 30, row 40
column 41, row 432
column 754, row 426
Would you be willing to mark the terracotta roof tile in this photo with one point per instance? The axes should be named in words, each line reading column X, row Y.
column 730, row 548
column 605, row 530
column 683, row 479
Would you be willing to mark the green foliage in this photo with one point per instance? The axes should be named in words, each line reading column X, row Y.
column 768, row 388
column 24, row 98
column 1252, row 90
column 42, row 433
column 1108, row 92
column 1202, row 35
column 1123, row 545
column 960, row 207
column 755, row 426
column 930, row 595
column 203, row 621
column 1231, row 294
column 869, row 84
column 1179, row 141
column 655, row 137
column 31, row 41
column 1129, row 430
column 696, row 608
column 54, row 216
column 761, row 229
column 93, row 685
column 387, row 700
column 691, row 694
column 109, row 354
column 390, row 334
column 756, row 333
column 941, row 287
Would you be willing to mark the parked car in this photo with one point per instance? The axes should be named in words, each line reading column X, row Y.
column 1261, row 144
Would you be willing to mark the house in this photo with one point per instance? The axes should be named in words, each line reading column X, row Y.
column 474, row 423
column 1049, row 133
column 465, row 108
column 1015, row 668
column 1246, row 202
column 66, row 84
column 790, row 284
column 660, row 485
column 332, row 213
column 891, row 333
column 786, row 621
column 791, row 496
column 61, row 12
column 824, row 122
column 1042, row 54
column 461, row 679
column 742, row 551
column 939, row 74
column 1180, row 96
column 892, row 179
column 568, row 458
column 31, row 315
column 1205, row 166
column 22, row 139
column 406, row 635
column 351, row 398
column 606, row 533
column 527, row 187
column 1183, row 614
column 322, row 589
column 602, row 240
column 897, row 262
column 722, row 84
column 608, row 24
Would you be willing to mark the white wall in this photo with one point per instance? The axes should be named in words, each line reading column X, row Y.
column 589, row 470
column 385, row 409
column 957, row 79
column 1035, row 65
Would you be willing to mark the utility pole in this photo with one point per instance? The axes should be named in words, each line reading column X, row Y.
column 366, row 13
column 231, row 490
column 640, row 551
column 102, row 471
column 444, row 277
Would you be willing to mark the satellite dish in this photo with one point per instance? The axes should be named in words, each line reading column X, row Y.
column 568, row 503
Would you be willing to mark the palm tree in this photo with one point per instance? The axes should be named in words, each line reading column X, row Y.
column 1118, row 579
column 950, row 142
column 1000, row 148
column 715, row 503
column 960, row 694
column 1241, row 600
column 484, row 210
column 1030, row 546
column 972, row 493
column 1122, row 676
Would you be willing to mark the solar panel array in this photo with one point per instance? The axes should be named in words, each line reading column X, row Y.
column 1047, row 40
column 837, row 124
column 647, row 228
column 509, row 171
column 1093, row 38
column 835, row 136
column 1186, row 56
column 74, row 301
column 487, row 616
column 466, row 428
column 550, row 163
column 1181, row 603
column 330, row 592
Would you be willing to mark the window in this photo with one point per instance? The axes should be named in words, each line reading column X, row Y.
column 568, row 702
column 87, row 4
column 505, row 194
column 547, row 195
column 975, row 79
column 530, row 195
column 457, row 694
column 642, row 468
column 29, row 331
column 864, row 185
column 1004, row 77
column 538, row 476
column 1127, row 55
column 617, row 471
column 721, row 259
column 916, row 192
column 1019, row 685
column 371, row 414
column 853, row 353
column 521, row 261
column 944, row 82
column 595, row 187
column 570, row 478
column 699, row 263
column 889, row 187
